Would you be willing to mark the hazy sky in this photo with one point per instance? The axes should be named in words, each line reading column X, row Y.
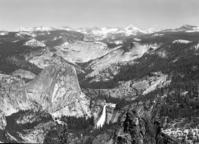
column 89, row 13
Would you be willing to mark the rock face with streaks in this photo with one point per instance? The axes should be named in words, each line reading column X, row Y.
column 57, row 88
column 11, row 99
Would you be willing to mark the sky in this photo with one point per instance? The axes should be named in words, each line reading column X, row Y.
column 89, row 13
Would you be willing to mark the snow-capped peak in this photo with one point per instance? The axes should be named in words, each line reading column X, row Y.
column 132, row 30
column 188, row 27
column 131, row 27
column 184, row 28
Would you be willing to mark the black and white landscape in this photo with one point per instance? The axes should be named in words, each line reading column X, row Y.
column 95, row 81
column 99, row 85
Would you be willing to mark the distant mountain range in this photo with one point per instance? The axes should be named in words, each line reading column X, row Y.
column 103, row 32
column 129, row 29
column 184, row 28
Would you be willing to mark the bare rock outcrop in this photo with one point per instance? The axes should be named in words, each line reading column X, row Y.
column 11, row 99
column 57, row 88
column 24, row 74
column 3, row 122
column 27, row 127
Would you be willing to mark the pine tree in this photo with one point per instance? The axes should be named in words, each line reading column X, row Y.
column 63, row 136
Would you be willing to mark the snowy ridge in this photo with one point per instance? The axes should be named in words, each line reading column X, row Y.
column 105, row 31
column 40, row 28
column 184, row 28
column 131, row 30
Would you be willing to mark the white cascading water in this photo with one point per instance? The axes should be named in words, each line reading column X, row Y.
column 102, row 119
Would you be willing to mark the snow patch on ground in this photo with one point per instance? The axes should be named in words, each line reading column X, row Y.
column 196, row 46
column 195, row 30
column 156, row 35
column 34, row 43
column 181, row 41
column 161, row 53
column 137, row 39
column 65, row 44
column 118, row 42
column 3, row 33
column 56, row 38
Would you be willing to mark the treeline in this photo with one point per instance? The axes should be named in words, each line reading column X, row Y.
column 184, row 103
column 185, row 58
column 169, row 37
column 78, row 123
column 179, row 59
column 120, row 102
column 98, row 85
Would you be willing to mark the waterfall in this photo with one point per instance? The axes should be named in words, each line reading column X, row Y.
column 102, row 119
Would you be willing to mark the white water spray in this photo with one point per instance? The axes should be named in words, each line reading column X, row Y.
column 102, row 119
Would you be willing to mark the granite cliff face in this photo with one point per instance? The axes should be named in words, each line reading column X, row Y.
column 56, row 90
column 11, row 99
column 52, row 90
